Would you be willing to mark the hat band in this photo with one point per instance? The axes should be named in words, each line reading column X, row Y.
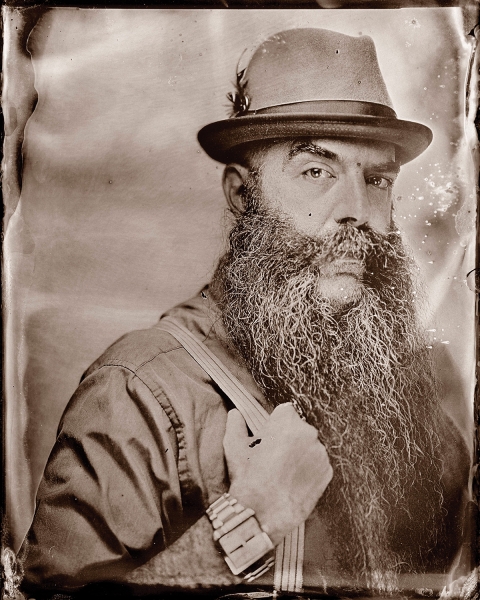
column 329, row 107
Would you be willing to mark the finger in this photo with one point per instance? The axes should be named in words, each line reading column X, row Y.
column 286, row 419
column 236, row 432
column 284, row 411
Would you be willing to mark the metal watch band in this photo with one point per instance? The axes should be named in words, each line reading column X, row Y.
column 244, row 543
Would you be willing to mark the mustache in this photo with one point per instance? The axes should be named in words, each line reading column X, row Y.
column 351, row 242
column 375, row 250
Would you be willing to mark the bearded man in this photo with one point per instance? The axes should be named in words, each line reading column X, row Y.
column 354, row 474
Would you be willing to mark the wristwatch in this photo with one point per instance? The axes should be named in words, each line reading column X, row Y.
column 246, row 547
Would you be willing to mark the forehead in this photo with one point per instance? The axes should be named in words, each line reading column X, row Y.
column 358, row 152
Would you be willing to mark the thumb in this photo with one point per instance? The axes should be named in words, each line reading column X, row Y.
column 236, row 434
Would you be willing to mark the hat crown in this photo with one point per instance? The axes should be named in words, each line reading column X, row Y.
column 303, row 65
column 312, row 83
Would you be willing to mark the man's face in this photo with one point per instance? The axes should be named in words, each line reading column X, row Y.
column 354, row 361
column 320, row 184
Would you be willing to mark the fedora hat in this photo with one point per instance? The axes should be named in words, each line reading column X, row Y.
column 313, row 83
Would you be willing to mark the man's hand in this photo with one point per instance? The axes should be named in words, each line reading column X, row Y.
column 281, row 477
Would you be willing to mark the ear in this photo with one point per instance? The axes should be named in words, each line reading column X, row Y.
column 234, row 177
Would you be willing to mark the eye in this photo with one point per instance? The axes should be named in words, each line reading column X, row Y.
column 318, row 173
column 382, row 183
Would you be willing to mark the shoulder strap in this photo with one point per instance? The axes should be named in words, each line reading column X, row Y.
column 289, row 554
column 253, row 413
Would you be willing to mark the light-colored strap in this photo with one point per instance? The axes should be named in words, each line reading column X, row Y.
column 289, row 562
column 289, row 554
column 253, row 413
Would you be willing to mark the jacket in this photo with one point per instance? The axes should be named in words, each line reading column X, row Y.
column 138, row 459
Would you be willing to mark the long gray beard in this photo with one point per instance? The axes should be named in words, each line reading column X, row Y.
column 361, row 373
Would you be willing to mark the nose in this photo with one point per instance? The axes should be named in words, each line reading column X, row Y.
column 354, row 205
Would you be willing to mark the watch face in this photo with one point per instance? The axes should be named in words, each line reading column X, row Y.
column 245, row 544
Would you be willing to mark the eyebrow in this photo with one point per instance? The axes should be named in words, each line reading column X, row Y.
column 391, row 166
column 311, row 148
column 317, row 150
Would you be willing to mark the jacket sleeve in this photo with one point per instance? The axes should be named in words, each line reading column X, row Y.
column 110, row 497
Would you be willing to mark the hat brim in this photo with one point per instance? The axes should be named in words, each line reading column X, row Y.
column 219, row 139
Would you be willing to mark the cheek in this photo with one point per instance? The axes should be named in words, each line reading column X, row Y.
column 311, row 218
column 307, row 212
column 314, row 214
column 382, row 218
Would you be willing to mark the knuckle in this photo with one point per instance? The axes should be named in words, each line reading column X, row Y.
column 322, row 449
column 285, row 410
column 322, row 455
column 329, row 475
column 309, row 431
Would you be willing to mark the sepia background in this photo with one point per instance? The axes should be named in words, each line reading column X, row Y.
column 121, row 214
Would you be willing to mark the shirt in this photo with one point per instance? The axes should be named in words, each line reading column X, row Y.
column 138, row 459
